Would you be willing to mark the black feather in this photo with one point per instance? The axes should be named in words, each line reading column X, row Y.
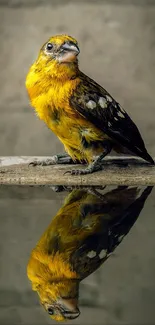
column 111, row 119
column 119, row 211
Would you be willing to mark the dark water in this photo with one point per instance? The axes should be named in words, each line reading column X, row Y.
column 105, row 236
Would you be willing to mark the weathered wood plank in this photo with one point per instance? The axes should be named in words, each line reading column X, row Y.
column 116, row 171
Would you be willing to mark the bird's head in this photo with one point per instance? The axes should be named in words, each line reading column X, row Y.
column 58, row 56
column 61, row 48
column 60, row 299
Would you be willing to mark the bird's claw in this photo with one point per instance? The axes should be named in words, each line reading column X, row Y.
column 33, row 164
column 37, row 163
column 44, row 162
column 73, row 172
column 78, row 172
column 67, row 172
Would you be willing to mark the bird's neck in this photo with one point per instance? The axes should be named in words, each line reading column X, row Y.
column 43, row 267
column 39, row 81
column 64, row 72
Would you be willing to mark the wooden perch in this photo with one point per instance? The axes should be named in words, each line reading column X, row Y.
column 116, row 171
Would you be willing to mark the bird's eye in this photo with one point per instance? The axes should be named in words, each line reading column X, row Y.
column 50, row 311
column 49, row 46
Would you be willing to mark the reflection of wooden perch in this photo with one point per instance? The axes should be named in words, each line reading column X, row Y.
column 116, row 171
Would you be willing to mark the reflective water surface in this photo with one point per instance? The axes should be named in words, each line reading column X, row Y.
column 85, row 255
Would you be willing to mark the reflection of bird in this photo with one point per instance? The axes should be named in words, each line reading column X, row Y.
column 86, row 119
column 79, row 239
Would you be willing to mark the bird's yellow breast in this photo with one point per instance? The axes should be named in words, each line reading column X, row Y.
column 51, row 100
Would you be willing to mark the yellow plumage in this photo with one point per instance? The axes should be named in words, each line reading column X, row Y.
column 86, row 119
column 50, row 88
column 85, row 231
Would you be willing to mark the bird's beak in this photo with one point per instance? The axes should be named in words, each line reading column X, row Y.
column 70, row 308
column 68, row 53
column 70, row 48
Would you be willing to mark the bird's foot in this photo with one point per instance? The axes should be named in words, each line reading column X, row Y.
column 57, row 188
column 43, row 162
column 94, row 167
column 63, row 158
column 90, row 189
column 93, row 190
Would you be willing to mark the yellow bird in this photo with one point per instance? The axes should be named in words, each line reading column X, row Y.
column 83, row 115
column 82, row 235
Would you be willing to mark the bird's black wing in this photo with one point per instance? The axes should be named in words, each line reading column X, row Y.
column 97, row 247
column 95, row 104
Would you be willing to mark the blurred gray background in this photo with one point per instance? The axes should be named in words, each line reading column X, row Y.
column 117, row 41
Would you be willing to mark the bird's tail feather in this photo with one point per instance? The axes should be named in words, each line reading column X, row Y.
column 144, row 154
